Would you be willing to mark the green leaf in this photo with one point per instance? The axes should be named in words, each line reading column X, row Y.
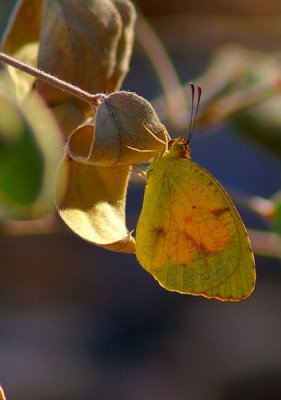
column 21, row 161
column 30, row 149
column 277, row 218
column 233, row 72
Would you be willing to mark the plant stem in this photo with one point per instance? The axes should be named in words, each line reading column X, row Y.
column 176, row 99
column 92, row 99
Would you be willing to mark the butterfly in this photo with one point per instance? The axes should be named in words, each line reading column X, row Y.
column 190, row 236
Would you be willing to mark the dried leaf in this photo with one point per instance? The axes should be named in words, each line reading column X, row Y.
column 21, row 41
column 24, row 82
column 91, row 201
column 7, row 85
column 125, row 44
column 68, row 116
column 127, row 131
column 23, row 27
column 81, row 141
column 78, row 44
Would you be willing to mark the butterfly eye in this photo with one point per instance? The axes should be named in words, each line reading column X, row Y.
column 170, row 144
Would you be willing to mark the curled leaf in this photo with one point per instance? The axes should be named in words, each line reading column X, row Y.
column 126, row 131
column 91, row 201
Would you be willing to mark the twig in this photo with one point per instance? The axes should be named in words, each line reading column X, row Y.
column 232, row 104
column 267, row 244
column 2, row 396
column 45, row 226
column 229, row 106
column 175, row 95
column 92, row 99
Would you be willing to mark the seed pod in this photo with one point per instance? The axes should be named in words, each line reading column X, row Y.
column 126, row 131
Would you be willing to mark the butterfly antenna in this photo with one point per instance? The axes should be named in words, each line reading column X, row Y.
column 195, row 89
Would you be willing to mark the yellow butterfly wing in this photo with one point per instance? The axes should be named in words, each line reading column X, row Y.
column 190, row 236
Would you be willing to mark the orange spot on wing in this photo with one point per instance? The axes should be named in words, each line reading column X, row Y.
column 208, row 233
column 197, row 246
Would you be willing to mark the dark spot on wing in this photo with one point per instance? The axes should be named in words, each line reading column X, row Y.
column 199, row 246
column 219, row 211
column 159, row 231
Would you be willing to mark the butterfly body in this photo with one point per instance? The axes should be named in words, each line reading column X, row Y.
column 190, row 236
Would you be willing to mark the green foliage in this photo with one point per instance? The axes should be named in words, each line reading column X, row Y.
column 21, row 160
column 242, row 86
column 277, row 217
column 30, row 145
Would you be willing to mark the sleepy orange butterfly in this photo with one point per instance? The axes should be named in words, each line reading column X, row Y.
column 190, row 236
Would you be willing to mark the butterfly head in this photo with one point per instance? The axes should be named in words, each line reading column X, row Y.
column 179, row 148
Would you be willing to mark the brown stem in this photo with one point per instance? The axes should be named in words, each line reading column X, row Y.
column 93, row 99
column 2, row 396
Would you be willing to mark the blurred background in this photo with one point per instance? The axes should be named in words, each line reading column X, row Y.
column 79, row 322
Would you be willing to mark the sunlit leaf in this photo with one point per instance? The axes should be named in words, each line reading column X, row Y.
column 24, row 82
column 91, row 201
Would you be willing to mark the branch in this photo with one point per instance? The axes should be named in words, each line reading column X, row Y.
column 232, row 104
column 175, row 94
column 93, row 100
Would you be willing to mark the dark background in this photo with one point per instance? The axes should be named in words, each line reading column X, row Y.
column 78, row 322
